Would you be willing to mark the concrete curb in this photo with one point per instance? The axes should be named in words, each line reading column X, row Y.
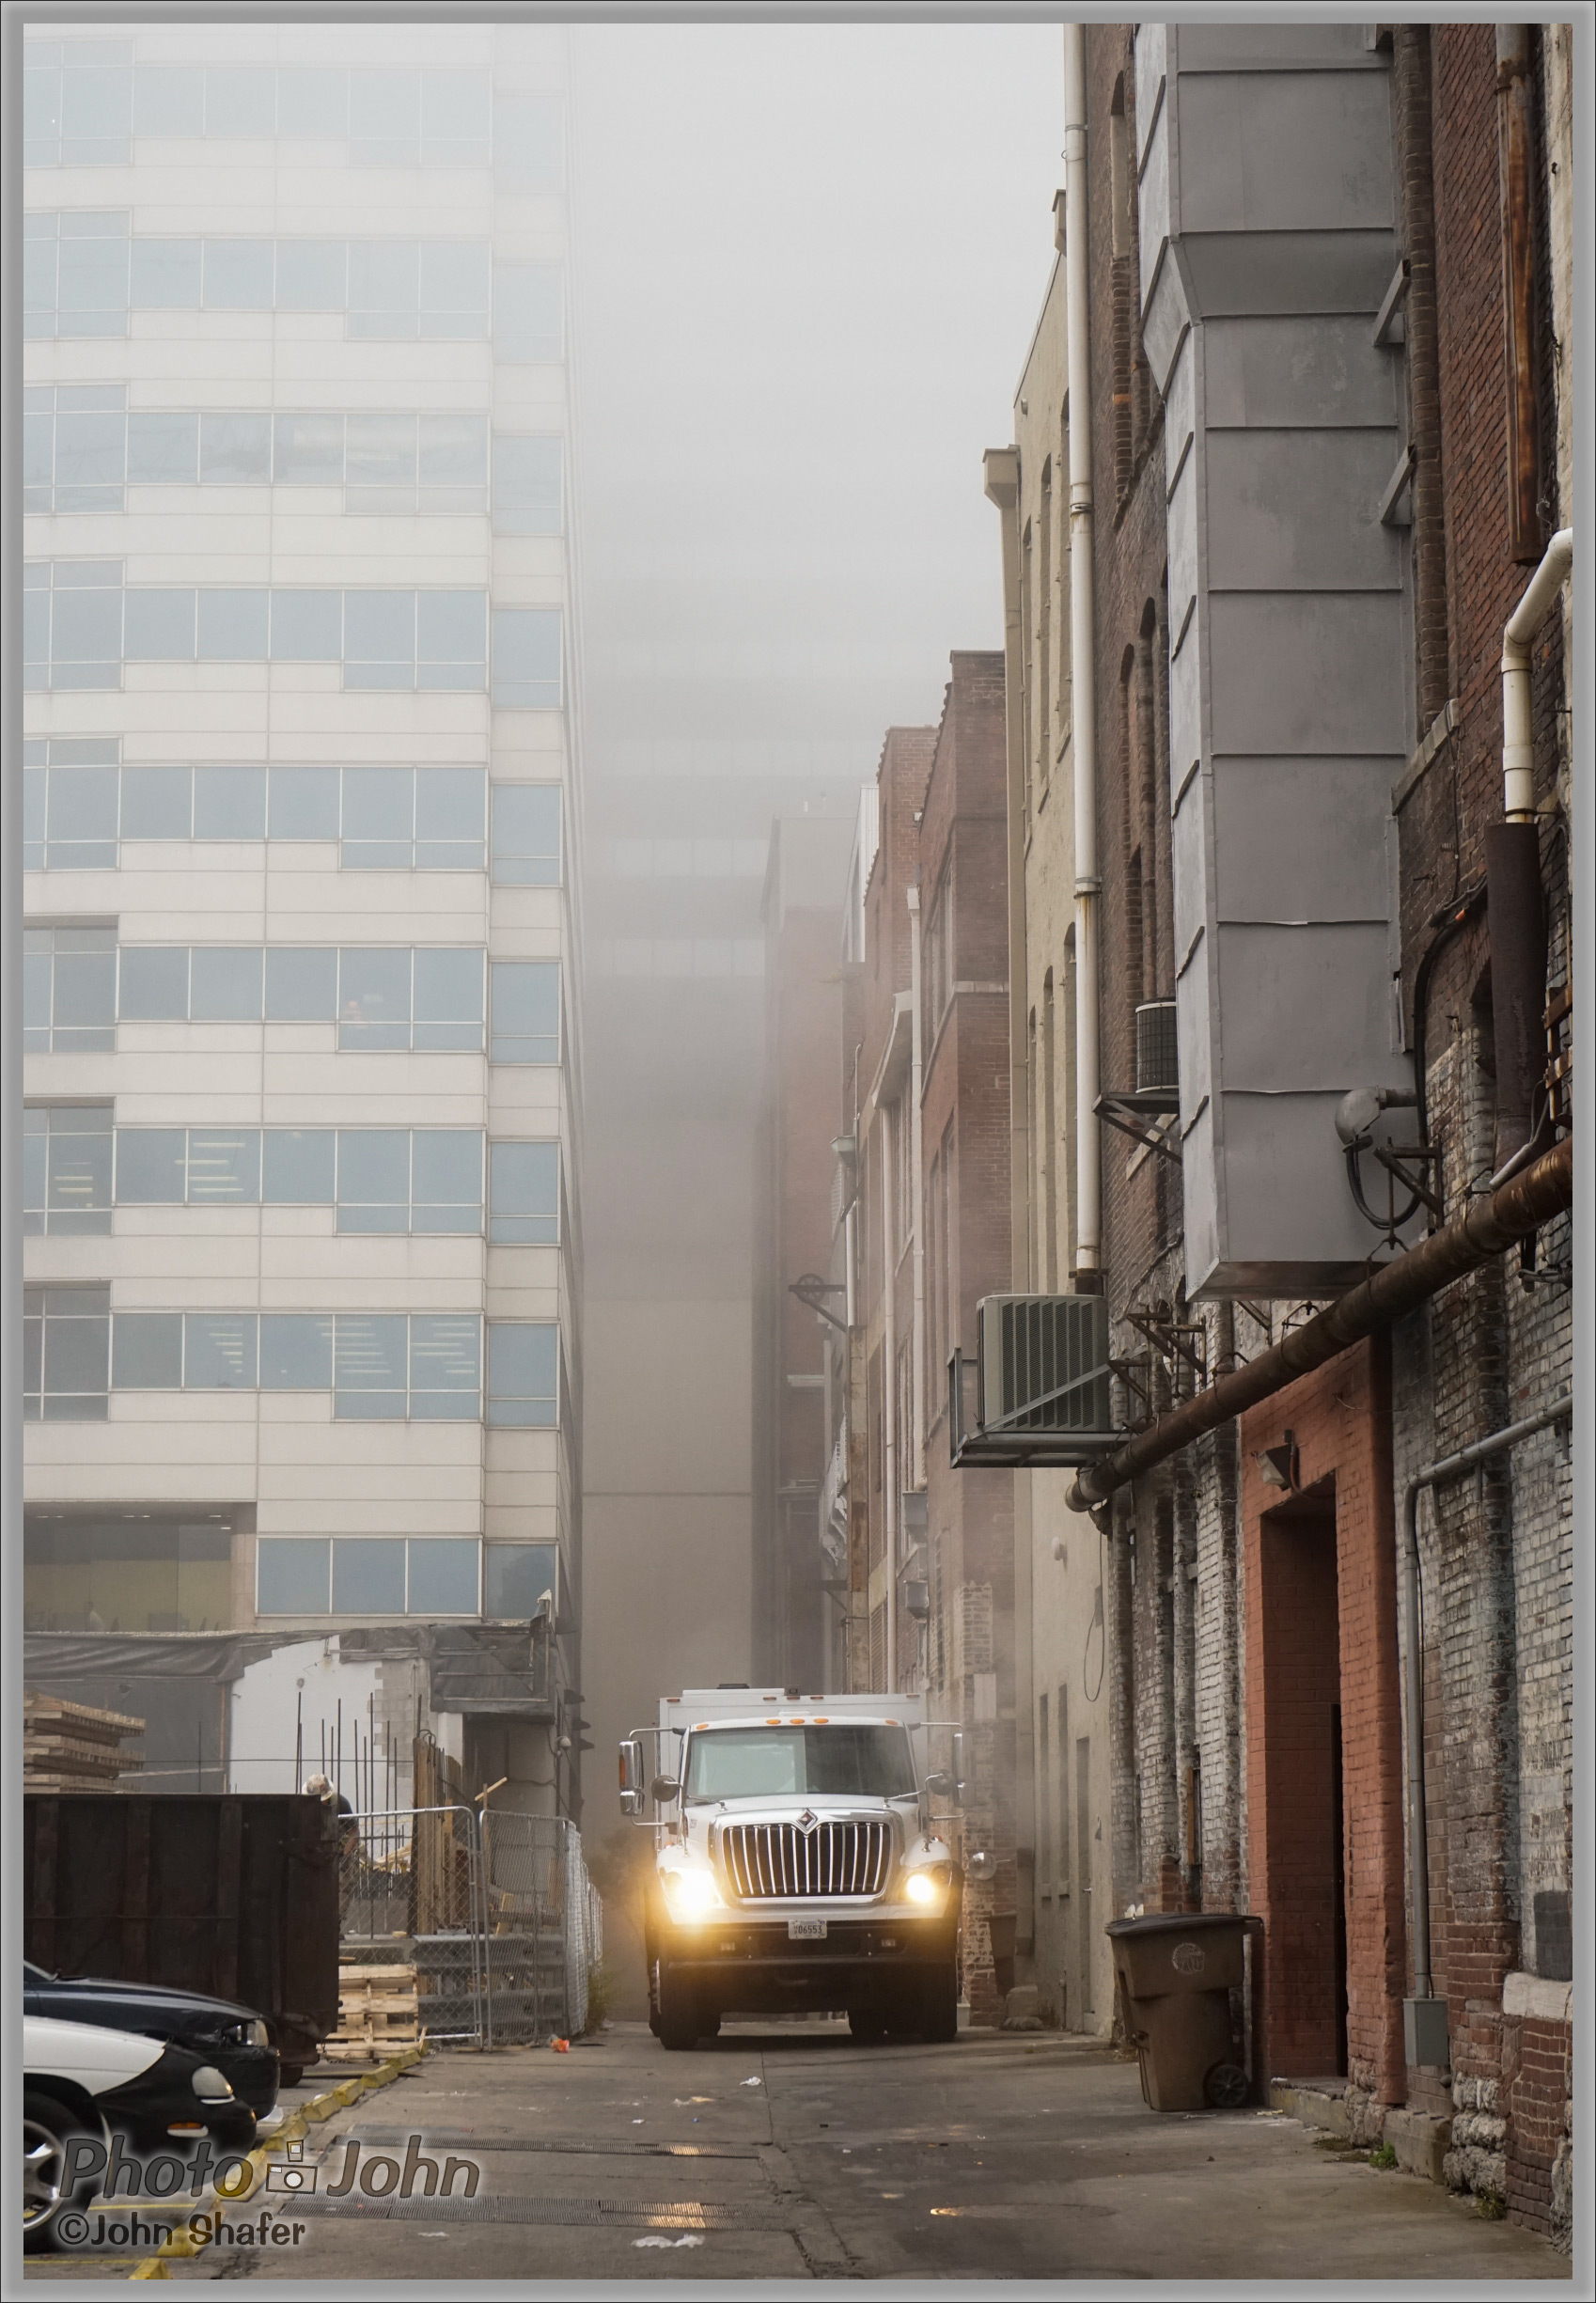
column 293, row 2130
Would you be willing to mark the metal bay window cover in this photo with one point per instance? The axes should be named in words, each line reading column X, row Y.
column 1269, row 238
column 1042, row 1384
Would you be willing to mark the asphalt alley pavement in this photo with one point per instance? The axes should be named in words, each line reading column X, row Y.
column 789, row 2152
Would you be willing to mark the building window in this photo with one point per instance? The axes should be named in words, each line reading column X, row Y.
column 526, row 1026
column 76, row 986
column 77, row 103
column 79, row 806
column 423, row 1180
column 527, row 835
column 72, row 624
column 528, row 497
column 515, row 1577
column 127, row 1572
column 80, row 626
column 380, row 1366
column 527, row 653
column 522, row 1372
column 523, row 1194
column 83, row 102
column 67, row 1162
column 74, row 447
column 528, row 312
column 529, row 143
column 84, row 273
column 75, row 272
column 69, row 990
column 427, row 999
column 317, row 1575
column 66, row 1354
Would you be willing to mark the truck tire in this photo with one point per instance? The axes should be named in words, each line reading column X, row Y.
column 681, row 2019
column 939, row 2005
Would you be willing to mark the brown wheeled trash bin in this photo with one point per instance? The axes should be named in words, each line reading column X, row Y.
column 1175, row 1972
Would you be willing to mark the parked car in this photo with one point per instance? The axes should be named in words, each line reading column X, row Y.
column 87, row 2079
column 234, row 2038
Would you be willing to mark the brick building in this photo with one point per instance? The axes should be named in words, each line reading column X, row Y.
column 1330, row 441
column 797, row 1626
column 919, row 1231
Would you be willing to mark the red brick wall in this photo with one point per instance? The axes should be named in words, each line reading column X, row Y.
column 1340, row 1420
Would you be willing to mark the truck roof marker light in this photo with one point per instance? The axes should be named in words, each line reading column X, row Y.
column 819, row 1720
column 699, row 1723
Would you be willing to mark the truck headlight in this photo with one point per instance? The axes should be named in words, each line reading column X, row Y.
column 210, row 2086
column 927, row 1888
column 690, row 1895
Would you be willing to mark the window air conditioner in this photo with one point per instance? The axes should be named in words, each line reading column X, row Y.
column 1042, row 1363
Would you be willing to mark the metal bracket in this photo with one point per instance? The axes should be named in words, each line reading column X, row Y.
column 1172, row 1341
column 810, row 1288
column 1128, row 1109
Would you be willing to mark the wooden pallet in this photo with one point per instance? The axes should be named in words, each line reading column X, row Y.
column 379, row 2010
column 73, row 1747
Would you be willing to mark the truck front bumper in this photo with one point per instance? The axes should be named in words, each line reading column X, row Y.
column 754, row 1967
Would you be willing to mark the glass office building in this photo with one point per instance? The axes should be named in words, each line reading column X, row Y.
column 302, row 828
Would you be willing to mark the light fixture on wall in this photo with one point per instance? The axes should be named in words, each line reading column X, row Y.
column 1279, row 1466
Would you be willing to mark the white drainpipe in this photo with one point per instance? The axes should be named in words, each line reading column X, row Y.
column 1518, row 759
column 888, row 1396
column 916, row 1193
column 1082, row 694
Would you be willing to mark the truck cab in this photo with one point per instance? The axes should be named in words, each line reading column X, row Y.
column 800, row 1864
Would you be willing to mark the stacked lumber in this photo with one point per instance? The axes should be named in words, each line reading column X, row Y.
column 379, row 2010
column 72, row 1748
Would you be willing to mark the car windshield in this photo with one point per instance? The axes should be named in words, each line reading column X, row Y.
column 819, row 1762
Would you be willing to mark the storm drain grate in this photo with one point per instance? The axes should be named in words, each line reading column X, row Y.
column 505, row 2207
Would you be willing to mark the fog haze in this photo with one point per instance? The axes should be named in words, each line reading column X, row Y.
column 806, row 265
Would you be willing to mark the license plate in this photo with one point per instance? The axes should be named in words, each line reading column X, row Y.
column 805, row 1931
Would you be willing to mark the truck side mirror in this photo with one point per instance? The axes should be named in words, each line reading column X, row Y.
column 959, row 1785
column 632, row 1777
column 664, row 1789
column 940, row 1783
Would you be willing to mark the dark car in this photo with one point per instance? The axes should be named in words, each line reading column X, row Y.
column 234, row 2038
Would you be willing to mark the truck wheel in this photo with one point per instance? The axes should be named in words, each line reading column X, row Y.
column 680, row 2016
column 939, row 2005
column 867, row 2024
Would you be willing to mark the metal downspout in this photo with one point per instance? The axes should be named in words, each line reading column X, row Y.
column 1083, row 684
column 916, row 1193
column 888, row 1401
column 1449, row 1467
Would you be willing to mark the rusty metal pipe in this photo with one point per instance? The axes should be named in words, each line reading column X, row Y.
column 1510, row 1213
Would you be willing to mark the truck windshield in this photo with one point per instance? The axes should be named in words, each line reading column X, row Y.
column 820, row 1762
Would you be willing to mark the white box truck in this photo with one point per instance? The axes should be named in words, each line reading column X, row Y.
column 799, row 1865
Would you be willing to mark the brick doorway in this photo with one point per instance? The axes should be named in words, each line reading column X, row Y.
column 1323, row 1686
column 1305, row 1883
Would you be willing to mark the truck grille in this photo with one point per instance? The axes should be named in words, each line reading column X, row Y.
column 771, row 1859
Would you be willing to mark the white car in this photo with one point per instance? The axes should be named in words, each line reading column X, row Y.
column 82, row 2080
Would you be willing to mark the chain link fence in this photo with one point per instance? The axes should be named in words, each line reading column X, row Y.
column 494, row 1911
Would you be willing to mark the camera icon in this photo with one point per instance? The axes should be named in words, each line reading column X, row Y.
column 292, row 2178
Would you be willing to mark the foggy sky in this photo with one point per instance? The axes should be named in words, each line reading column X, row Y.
column 808, row 260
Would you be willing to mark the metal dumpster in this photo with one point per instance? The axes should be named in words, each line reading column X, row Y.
column 231, row 1894
column 1174, row 1973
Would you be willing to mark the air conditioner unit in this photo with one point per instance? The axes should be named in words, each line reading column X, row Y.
column 1042, row 1363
